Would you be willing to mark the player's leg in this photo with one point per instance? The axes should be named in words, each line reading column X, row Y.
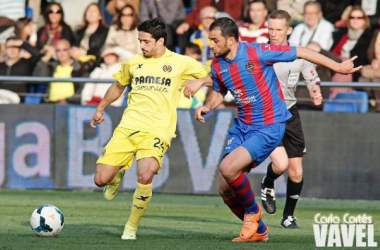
column 108, row 177
column 275, row 169
column 147, row 168
column 237, row 208
column 231, row 168
column 293, row 192
column 229, row 198
column 150, row 152
column 294, row 144
column 116, row 156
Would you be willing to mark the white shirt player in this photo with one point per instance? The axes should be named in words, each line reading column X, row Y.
column 288, row 73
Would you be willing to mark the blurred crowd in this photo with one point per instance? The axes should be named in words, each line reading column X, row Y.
column 91, row 38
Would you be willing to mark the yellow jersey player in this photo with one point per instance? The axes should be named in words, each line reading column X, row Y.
column 149, row 121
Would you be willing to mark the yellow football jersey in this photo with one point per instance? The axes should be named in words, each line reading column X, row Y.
column 156, row 86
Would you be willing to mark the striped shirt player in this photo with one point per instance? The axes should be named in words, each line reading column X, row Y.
column 251, row 79
column 262, row 114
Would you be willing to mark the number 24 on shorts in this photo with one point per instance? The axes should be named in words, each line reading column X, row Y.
column 158, row 144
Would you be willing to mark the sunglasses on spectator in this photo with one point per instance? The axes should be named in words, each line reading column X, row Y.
column 356, row 17
column 127, row 14
column 61, row 50
column 55, row 12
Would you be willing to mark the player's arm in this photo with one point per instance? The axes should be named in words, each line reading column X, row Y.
column 193, row 86
column 312, row 81
column 213, row 101
column 346, row 67
column 112, row 94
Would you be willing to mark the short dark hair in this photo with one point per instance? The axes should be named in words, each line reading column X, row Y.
column 227, row 26
column 12, row 38
column 194, row 48
column 309, row 3
column 258, row 1
column 281, row 14
column 156, row 27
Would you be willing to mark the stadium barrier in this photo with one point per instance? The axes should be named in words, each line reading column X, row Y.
column 53, row 147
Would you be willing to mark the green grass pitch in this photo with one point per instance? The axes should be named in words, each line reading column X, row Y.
column 171, row 222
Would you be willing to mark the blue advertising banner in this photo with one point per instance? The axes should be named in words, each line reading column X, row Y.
column 54, row 147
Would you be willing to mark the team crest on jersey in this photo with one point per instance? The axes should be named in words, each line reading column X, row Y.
column 167, row 68
column 249, row 67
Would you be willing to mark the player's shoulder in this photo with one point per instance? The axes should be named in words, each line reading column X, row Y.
column 181, row 59
column 136, row 59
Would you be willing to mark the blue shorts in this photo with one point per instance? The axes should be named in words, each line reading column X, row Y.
column 260, row 141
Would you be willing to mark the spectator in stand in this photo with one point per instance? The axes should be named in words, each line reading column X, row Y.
column 74, row 11
column 295, row 8
column 200, row 36
column 193, row 20
column 114, row 6
column 7, row 27
column 64, row 67
column 314, row 29
column 54, row 28
column 172, row 12
column 353, row 41
column 24, row 30
column 123, row 33
column 90, row 38
column 16, row 65
column 371, row 9
column 193, row 51
column 256, row 30
column 93, row 93
column 371, row 72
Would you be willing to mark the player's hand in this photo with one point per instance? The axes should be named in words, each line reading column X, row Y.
column 98, row 118
column 347, row 67
column 200, row 112
column 192, row 87
column 316, row 96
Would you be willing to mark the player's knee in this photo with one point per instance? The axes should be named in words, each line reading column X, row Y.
column 144, row 178
column 295, row 173
column 227, row 171
column 280, row 167
column 99, row 182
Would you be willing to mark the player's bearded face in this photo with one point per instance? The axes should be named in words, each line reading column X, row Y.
column 148, row 44
column 218, row 44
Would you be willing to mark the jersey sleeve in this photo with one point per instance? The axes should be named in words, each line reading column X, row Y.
column 193, row 70
column 217, row 85
column 124, row 75
column 271, row 53
column 309, row 74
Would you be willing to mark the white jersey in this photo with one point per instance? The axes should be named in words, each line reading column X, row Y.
column 288, row 73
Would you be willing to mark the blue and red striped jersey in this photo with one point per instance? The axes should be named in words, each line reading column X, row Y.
column 251, row 79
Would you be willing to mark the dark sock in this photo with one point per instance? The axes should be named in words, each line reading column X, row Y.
column 292, row 195
column 242, row 189
column 271, row 177
column 235, row 206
